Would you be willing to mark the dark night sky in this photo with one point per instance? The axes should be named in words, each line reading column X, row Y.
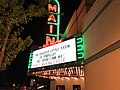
column 18, row 69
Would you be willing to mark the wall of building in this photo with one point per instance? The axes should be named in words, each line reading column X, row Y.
column 68, row 83
column 101, row 32
column 104, row 29
column 103, row 73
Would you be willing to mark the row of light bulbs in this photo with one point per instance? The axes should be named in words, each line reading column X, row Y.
column 62, row 72
column 62, row 78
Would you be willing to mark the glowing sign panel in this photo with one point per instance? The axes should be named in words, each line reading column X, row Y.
column 55, row 54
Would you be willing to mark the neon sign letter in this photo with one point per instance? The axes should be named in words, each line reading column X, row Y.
column 52, row 18
column 50, row 41
column 50, row 8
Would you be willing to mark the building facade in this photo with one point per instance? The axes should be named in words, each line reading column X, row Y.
column 100, row 28
column 98, row 22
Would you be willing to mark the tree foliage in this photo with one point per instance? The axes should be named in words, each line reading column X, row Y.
column 13, row 15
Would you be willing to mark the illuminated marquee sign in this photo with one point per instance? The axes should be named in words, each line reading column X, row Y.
column 67, row 51
column 55, row 54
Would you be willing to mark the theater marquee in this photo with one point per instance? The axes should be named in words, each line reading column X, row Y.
column 71, row 50
column 55, row 54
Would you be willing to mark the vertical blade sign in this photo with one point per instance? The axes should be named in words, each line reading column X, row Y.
column 53, row 22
